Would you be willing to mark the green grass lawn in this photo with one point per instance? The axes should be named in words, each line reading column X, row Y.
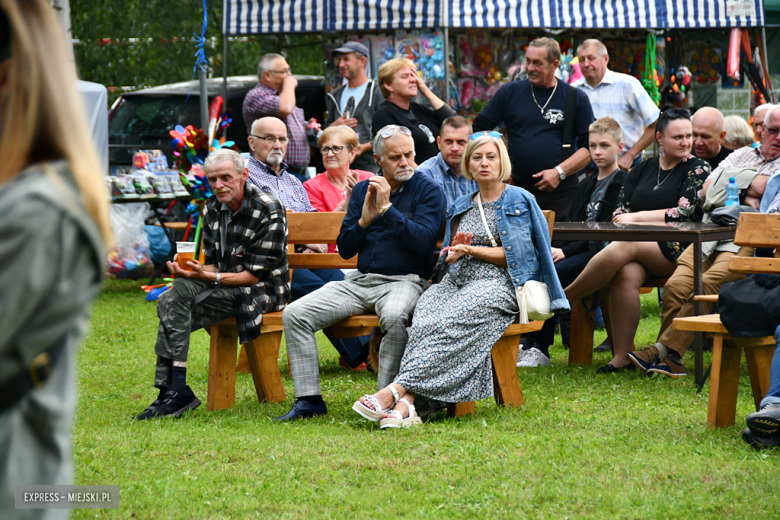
column 583, row 446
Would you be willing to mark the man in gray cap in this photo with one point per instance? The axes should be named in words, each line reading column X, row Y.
column 354, row 104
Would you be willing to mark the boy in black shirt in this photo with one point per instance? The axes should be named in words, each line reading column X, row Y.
column 594, row 202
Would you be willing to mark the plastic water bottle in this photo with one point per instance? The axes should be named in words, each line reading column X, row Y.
column 732, row 193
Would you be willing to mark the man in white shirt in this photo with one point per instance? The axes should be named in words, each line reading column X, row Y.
column 619, row 96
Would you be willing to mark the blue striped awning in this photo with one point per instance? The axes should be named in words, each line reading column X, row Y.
column 243, row 17
column 604, row 14
column 361, row 15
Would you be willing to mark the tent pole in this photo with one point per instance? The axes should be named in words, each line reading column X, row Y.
column 762, row 35
column 204, row 99
column 446, row 50
column 445, row 24
column 224, row 66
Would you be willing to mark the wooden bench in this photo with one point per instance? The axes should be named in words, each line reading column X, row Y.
column 262, row 354
column 753, row 230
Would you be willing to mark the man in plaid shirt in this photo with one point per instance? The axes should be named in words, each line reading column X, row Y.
column 245, row 275
column 274, row 95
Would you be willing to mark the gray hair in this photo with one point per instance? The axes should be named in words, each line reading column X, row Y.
column 769, row 113
column 738, row 131
column 224, row 155
column 553, row 49
column 267, row 63
column 765, row 106
column 594, row 42
column 379, row 141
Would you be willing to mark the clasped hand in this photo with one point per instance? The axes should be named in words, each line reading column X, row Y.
column 459, row 247
column 377, row 196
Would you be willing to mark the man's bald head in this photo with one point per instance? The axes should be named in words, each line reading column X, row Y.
column 708, row 131
column 269, row 141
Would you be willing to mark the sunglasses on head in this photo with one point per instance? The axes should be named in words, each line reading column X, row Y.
column 391, row 130
column 492, row 133
column 676, row 113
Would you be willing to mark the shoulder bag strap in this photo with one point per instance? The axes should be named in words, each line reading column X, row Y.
column 568, row 123
column 484, row 221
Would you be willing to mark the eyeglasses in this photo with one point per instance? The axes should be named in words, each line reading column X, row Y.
column 283, row 71
column 756, row 125
column 335, row 149
column 391, row 130
column 492, row 133
column 772, row 132
column 676, row 113
column 270, row 139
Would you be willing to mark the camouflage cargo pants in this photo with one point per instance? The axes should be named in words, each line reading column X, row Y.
column 178, row 319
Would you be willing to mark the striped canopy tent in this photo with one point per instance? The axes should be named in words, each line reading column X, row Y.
column 605, row 14
column 245, row 17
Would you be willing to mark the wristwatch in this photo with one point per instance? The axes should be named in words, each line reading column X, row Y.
column 561, row 173
column 216, row 281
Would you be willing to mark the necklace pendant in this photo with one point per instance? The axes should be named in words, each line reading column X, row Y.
column 656, row 187
column 542, row 111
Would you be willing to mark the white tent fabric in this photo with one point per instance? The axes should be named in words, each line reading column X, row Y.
column 243, row 17
column 95, row 97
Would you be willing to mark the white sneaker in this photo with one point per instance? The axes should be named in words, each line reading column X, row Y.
column 520, row 355
column 534, row 358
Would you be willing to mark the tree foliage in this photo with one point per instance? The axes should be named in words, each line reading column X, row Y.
column 140, row 43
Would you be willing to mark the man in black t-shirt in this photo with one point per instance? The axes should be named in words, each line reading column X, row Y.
column 533, row 111
column 708, row 132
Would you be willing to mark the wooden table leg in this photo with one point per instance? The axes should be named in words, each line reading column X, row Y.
column 724, row 383
column 263, row 360
column 582, row 327
column 222, row 369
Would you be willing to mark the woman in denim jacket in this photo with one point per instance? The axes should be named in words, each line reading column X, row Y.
column 457, row 322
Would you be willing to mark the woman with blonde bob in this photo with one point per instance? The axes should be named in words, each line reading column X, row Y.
column 400, row 83
column 457, row 321
column 54, row 229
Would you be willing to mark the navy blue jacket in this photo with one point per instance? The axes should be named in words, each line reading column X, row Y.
column 401, row 241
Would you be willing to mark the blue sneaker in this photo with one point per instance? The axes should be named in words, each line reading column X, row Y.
column 303, row 410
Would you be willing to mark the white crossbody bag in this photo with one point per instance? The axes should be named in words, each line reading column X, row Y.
column 533, row 298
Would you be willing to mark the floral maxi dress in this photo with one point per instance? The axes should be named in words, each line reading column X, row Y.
column 457, row 322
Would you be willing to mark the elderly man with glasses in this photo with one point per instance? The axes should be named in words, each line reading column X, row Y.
column 274, row 96
column 392, row 224
column 268, row 171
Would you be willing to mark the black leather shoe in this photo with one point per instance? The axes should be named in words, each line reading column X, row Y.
column 303, row 410
column 604, row 347
column 759, row 443
column 766, row 421
column 173, row 404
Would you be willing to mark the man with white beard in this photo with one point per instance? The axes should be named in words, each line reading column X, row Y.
column 268, row 171
column 392, row 224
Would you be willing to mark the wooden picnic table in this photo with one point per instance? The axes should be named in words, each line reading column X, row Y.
column 693, row 232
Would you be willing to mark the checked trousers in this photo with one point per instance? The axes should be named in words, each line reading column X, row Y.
column 393, row 298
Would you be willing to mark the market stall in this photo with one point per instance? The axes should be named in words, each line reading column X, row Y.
column 485, row 40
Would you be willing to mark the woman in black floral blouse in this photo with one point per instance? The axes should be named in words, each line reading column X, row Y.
column 662, row 189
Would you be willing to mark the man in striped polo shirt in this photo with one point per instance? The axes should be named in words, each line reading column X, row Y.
column 619, row 96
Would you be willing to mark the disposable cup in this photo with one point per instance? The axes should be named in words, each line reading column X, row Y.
column 185, row 251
